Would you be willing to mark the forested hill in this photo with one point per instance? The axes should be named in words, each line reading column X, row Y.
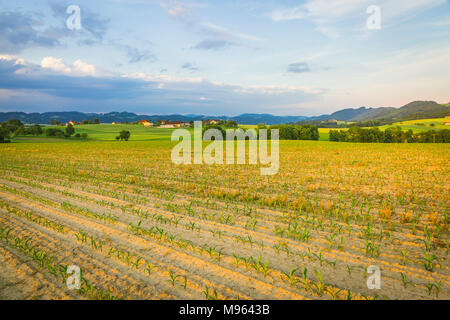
column 411, row 111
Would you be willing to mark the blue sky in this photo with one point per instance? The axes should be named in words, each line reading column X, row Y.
column 222, row 57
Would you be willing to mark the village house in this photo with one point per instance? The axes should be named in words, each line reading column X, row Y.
column 173, row 124
column 71, row 122
column 214, row 121
column 146, row 123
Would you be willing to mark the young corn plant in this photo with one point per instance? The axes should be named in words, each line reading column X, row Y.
column 173, row 277
column 428, row 260
column 290, row 276
column 149, row 268
column 319, row 286
column 405, row 281
column 210, row 294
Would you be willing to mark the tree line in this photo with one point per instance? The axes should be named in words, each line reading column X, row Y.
column 293, row 132
column 390, row 135
column 54, row 122
column 15, row 128
column 286, row 132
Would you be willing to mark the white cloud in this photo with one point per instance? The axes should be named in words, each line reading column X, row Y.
column 162, row 78
column 83, row 67
column 55, row 64
column 173, row 7
column 277, row 90
column 286, row 14
column 218, row 36
column 17, row 59
column 78, row 68
column 327, row 15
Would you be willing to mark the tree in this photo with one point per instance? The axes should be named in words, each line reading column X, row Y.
column 214, row 126
column 96, row 121
column 124, row 135
column 15, row 122
column 69, row 130
column 84, row 136
column 20, row 131
column 52, row 122
column 295, row 132
column 231, row 124
column 52, row 132
column 36, row 130
column 12, row 125
column 4, row 135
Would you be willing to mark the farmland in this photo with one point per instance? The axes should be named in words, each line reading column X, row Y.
column 108, row 132
column 140, row 227
column 414, row 125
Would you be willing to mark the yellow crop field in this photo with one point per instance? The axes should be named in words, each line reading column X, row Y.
column 140, row 227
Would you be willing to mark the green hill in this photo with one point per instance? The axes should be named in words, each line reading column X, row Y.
column 411, row 111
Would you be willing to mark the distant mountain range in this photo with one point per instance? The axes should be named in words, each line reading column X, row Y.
column 44, row 118
column 411, row 111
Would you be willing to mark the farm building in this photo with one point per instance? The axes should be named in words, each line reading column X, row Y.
column 173, row 124
column 146, row 123
column 71, row 122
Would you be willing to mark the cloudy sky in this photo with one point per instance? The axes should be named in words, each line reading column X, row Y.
column 229, row 57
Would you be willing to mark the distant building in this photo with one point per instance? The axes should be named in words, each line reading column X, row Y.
column 173, row 124
column 146, row 123
column 71, row 122
column 447, row 121
column 214, row 121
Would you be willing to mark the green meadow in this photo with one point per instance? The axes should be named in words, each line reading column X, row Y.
column 106, row 132
column 415, row 125
column 109, row 132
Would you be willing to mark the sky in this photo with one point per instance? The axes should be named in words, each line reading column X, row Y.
column 307, row 57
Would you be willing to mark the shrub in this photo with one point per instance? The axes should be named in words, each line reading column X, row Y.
column 296, row 132
column 124, row 135
column 390, row 135
column 4, row 135
column 69, row 130
column 53, row 132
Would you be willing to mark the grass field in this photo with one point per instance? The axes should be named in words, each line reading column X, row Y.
column 141, row 227
column 415, row 125
column 420, row 125
column 109, row 132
